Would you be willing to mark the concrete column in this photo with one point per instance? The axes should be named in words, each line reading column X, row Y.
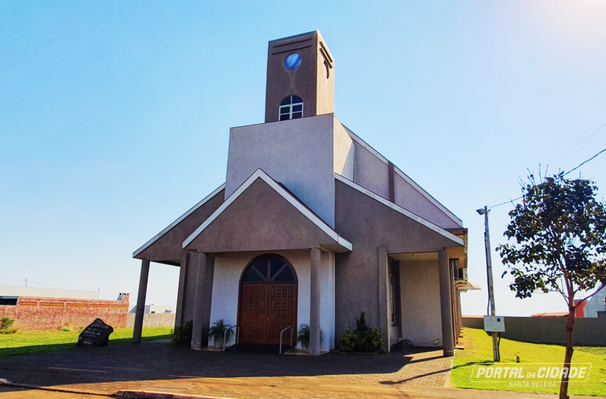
column 383, row 278
column 181, row 292
column 315, row 299
column 446, row 303
column 140, row 312
column 202, row 301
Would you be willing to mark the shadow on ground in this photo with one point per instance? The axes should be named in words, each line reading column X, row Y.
column 160, row 360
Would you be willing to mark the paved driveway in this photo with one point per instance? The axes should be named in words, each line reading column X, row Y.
column 160, row 367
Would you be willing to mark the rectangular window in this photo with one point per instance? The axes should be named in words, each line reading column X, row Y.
column 394, row 282
column 9, row 300
column 394, row 307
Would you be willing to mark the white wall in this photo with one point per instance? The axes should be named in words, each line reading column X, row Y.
column 11, row 290
column 226, row 285
column 420, row 293
column 595, row 304
column 344, row 152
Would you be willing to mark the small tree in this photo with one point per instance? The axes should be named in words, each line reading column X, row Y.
column 560, row 245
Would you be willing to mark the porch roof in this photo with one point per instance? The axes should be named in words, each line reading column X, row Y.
column 263, row 215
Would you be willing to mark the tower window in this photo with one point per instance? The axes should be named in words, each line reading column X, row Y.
column 293, row 61
column 291, row 108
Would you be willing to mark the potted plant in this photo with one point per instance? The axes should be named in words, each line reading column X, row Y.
column 304, row 336
column 217, row 332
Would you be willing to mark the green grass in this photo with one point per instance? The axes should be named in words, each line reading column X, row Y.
column 478, row 349
column 26, row 342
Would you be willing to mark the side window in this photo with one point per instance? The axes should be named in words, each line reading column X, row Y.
column 291, row 108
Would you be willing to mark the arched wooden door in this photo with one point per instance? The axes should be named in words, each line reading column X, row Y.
column 268, row 301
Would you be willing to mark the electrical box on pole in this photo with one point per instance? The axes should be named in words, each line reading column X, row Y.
column 494, row 324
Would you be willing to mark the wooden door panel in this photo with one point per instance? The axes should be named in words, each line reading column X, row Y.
column 280, row 312
column 265, row 310
column 253, row 316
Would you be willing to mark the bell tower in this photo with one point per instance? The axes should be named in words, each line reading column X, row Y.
column 300, row 78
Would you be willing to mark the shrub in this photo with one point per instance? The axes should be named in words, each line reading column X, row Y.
column 182, row 334
column 6, row 324
column 362, row 339
column 347, row 341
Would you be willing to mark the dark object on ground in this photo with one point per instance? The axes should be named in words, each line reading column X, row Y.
column 96, row 334
column 405, row 346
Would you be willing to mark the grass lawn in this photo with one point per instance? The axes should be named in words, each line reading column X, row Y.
column 25, row 342
column 478, row 349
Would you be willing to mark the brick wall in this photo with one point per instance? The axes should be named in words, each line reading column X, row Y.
column 45, row 314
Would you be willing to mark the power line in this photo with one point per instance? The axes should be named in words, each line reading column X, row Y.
column 506, row 202
column 570, row 171
column 579, row 143
column 583, row 163
column 561, row 156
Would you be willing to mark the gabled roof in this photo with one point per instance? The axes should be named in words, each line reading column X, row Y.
column 179, row 220
column 339, row 244
column 400, row 210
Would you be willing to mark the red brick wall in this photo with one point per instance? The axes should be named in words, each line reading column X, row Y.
column 45, row 314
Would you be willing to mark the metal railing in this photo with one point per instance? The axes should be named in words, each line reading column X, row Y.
column 236, row 336
column 291, row 337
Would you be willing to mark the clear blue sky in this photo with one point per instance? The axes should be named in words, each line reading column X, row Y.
column 114, row 116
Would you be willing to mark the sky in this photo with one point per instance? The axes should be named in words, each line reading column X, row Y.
column 115, row 116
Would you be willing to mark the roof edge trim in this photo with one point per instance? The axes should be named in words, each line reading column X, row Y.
column 260, row 174
column 179, row 220
column 401, row 210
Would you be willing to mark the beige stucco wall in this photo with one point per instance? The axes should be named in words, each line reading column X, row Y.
column 371, row 172
column 420, row 294
column 411, row 199
column 296, row 153
column 152, row 320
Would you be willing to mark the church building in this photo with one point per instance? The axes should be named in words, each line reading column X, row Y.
column 312, row 227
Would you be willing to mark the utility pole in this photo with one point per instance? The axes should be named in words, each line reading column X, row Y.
column 491, row 305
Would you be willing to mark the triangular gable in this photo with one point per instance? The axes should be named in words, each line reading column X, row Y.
column 396, row 227
column 166, row 245
column 262, row 215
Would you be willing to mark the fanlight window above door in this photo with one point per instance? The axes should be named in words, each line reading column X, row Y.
column 268, row 269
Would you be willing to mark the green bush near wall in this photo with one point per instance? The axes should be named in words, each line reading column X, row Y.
column 362, row 338
column 182, row 335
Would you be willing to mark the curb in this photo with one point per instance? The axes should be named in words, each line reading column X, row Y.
column 119, row 394
column 7, row 383
column 158, row 395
